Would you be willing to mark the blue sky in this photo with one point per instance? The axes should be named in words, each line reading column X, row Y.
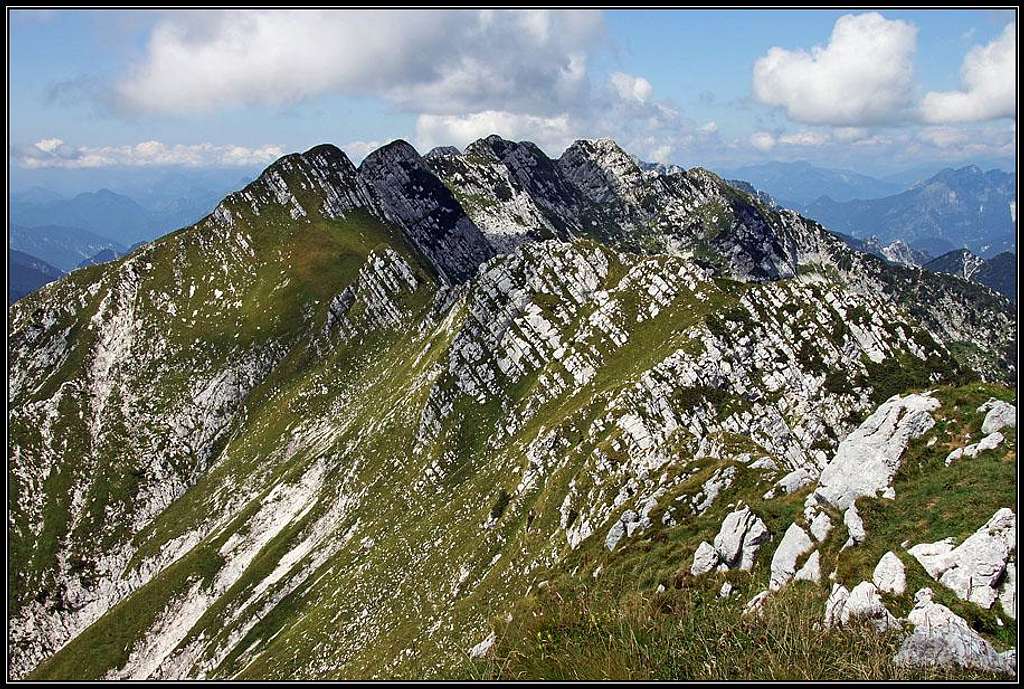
column 877, row 92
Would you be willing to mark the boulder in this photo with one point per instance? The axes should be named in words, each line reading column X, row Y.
column 795, row 542
column 791, row 483
column 890, row 575
column 835, row 604
column 1008, row 591
column 821, row 525
column 941, row 638
column 704, row 560
column 484, row 647
column 755, row 604
column 854, row 526
column 975, row 570
column 932, row 556
column 867, row 460
column 999, row 415
column 989, row 442
column 739, row 538
column 862, row 603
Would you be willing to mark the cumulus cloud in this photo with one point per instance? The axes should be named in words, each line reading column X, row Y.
column 762, row 141
column 864, row 75
column 989, row 76
column 55, row 153
column 630, row 87
column 424, row 62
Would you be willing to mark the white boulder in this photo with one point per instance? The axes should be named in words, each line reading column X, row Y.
column 975, row 570
column 989, row 442
column 739, row 538
column 484, row 647
column 942, row 638
column 791, row 483
column 821, row 525
column 867, row 460
column 811, row 571
column 890, row 575
column 795, row 542
column 835, row 604
column 863, row 602
column 755, row 604
column 704, row 560
column 1008, row 591
column 854, row 527
column 1000, row 415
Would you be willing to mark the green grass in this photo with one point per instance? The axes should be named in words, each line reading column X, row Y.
column 573, row 631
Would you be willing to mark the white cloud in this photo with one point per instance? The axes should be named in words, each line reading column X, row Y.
column 54, row 153
column 863, row 76
column 805, row 138
column 709, row 128
column 943, row 137
column 552, row 134
column 762, row 141
column 630, row 87
column 435, row 62
column 661, row 154
column 357, row 150
column 988, row 76
column 850, row 134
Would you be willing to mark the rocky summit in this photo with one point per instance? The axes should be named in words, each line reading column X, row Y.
column 487, row 414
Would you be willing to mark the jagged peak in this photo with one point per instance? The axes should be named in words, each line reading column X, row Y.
column 602, row 147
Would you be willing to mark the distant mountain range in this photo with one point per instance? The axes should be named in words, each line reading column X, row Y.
column 796, row 185
column 114, row 217
column 61, row 246
column 26, row 274
column 964, row 208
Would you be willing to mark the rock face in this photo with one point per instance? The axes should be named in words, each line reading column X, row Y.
column 976, row 570
column 890, row 575
column 867, row 461
column 408, row 195
column 942, row 638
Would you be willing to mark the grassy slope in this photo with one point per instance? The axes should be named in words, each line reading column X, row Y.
column 619, row 626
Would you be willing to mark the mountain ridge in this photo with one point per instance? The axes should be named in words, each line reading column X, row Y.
column 299, row 414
